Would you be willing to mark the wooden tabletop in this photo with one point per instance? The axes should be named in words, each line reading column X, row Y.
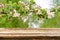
column 29, row 32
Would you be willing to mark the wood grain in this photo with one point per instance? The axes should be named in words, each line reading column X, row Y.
column 29, row 32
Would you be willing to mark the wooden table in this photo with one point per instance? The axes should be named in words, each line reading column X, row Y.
column 30, row 34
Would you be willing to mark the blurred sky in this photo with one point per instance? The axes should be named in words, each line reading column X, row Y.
column 44, row 3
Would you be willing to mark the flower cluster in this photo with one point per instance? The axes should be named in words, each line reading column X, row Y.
column 31, row 13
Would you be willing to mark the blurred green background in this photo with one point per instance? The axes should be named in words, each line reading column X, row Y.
column 14, row 22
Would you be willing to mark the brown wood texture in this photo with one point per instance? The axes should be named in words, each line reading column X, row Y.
column 32, row 38
column 29, row 32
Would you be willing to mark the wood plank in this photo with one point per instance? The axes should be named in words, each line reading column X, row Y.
column 29, row 32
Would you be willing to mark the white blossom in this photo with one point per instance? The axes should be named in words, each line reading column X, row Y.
column 2, row 5
column 27, row 7
column 22, row 3
column 30, row 14
column 39, row 12
column 10, row 12
column 33, row 25
column 50, row 15
column 58, row 7
column 16, row 14
column 41, row 20
column 25, row 18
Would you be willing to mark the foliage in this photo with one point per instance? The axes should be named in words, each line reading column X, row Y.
column 56, row 3
column 24, row 7
column 54, row 22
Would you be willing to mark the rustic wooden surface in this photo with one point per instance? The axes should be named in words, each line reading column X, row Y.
column 32, row 38
column 29, row 34
column 16, row 32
